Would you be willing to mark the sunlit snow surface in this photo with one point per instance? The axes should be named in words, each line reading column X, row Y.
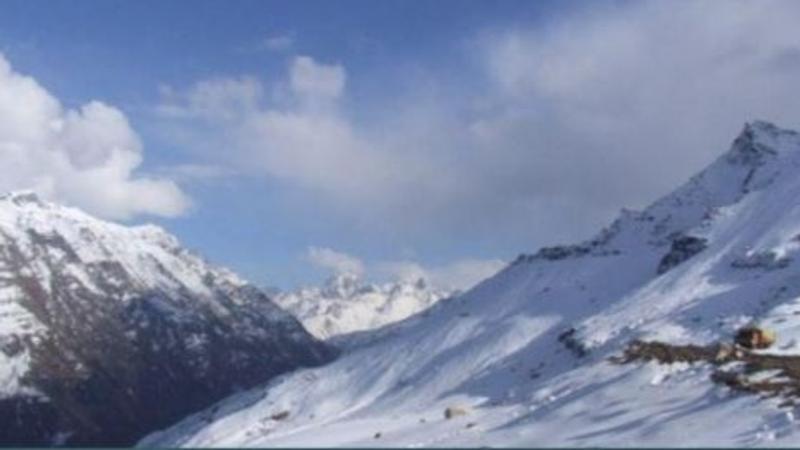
column 495, row 349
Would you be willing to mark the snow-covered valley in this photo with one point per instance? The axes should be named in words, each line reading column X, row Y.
column 524, row 358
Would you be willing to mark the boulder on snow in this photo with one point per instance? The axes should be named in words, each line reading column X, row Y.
column 278, row 416
column 571, row 341
column 455, row 411
column 755, row 337
column 724, row 353
column 767, row 260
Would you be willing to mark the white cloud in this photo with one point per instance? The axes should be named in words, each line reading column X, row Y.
column 85, row 157
column 222, row 99
column 572, row 120
column 302, row 137
column 463, row 274
column 336, row 262
column 460, row 274
column 309, row 78
column 649, row 90
column 408, row 271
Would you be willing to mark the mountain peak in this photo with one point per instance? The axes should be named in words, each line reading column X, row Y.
column 23, row 197
column 760, row 139
column 346, row 303
column 341, row 285
column 763, row 126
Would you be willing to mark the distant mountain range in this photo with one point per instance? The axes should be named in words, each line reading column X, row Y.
column 346, row 304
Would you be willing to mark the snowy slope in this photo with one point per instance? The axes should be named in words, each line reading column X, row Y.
column 345, row 304
column 107, row 331
column 526, row 353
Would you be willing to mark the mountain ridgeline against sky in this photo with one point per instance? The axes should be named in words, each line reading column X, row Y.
column 533, row 355
column 107, row 332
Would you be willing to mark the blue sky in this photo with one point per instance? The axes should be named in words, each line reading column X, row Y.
column 436, row 137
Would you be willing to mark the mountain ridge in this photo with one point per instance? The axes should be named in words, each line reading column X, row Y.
column 527, row 355
column 347, row 304
column 107, row 331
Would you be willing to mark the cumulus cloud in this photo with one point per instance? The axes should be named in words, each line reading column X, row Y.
column 309, row 78
column 336, row 262
column 299, row 135
column 604, row 107
column 86, row 156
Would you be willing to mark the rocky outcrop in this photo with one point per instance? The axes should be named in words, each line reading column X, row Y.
column 766, row 260
column 683, row 247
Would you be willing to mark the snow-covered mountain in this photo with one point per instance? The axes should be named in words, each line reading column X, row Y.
column 531, row 356
column 346, row 304
column 108, row 331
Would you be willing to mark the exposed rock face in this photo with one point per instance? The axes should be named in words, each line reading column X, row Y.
column 109, row 332
column 683, row 248
column 766, row 260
